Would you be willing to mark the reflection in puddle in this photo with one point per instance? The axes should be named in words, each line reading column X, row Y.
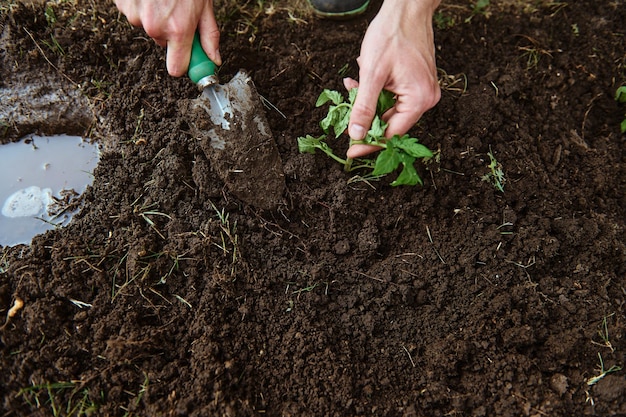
column 41, row 179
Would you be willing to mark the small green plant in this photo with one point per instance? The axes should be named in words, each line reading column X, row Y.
column 146, row 210
column 51, row 17
column 602, row 372
column 443, row 21
column 54, row 46
column 396, row 151
column 496, row 175
column 620, row 97
column 102, row 87
column 229, row 237
column 479, row 8
column 604, row 334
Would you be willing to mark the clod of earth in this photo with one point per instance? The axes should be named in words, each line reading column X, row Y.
column 52, row 107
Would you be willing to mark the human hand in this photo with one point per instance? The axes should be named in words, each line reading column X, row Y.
column 397, row 54
column 172, row 24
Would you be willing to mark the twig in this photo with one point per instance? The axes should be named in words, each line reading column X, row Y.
column 431, row 241
column 409, row 354
column 370, row 277
column 49, row 62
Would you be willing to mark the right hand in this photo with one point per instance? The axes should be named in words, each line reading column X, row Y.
column 397, row 54
column 172, row 24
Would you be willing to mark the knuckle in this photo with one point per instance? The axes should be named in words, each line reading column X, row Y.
column 152, row 30
column 363, row 110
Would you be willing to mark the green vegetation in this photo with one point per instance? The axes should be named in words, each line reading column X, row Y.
column 533, row 53
column 54, row 395
column 51, row 17
column 146, row 210
column 604, row 334
column 396, row 151
column 479, row 8
column 229, row 239
column 620, row 97
column 443, row 21
column 602, row 372
column 496, row 175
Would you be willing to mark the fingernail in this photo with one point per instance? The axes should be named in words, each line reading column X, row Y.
column 218, row 56
column 357, row 132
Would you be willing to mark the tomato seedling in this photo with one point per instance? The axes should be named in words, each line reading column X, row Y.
column 395, row 151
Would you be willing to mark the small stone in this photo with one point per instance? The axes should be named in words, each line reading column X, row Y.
column 559, row 384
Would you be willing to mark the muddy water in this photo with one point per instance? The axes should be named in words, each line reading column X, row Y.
column 41, row 179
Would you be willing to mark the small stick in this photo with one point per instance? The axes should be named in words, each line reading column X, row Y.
column 410, row 357
column 431, row 241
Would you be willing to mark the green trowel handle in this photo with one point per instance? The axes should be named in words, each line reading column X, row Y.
column 200, row 66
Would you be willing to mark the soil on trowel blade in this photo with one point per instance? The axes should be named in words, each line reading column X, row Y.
column 244, row 154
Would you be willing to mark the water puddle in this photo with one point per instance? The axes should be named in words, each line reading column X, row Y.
column 41, row 180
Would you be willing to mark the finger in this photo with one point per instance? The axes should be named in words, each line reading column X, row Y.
column 357, row 151
column 364, row 107
column 210, row 35
column 399, row 123
column 409, row 108
column 178, row 55
column 131, row 14
column 350, row 83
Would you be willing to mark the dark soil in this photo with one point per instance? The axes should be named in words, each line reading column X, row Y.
column 349, row 298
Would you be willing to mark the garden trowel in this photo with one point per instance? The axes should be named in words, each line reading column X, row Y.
column 236, row 138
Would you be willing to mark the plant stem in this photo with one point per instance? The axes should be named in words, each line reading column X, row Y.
column 335, row 157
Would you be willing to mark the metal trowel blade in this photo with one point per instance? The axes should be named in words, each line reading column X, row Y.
column 240, row 144
column 219, row 108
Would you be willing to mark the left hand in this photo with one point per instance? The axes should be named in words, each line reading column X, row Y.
column 173, row 23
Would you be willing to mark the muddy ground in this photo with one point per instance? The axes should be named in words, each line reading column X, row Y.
column 168, row 295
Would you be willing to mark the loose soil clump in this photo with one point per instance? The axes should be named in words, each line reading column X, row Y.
column 169, row 295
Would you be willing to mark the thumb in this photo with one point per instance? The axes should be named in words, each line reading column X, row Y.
column 363, row 110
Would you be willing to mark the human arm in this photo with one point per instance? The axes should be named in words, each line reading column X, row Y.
column 398, row 55
column 173, row 23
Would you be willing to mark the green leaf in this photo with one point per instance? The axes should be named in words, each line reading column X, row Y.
column 329, row 95
column 352, row 95
column 377, row 131
column 620, row 94
column 623, row 126
column 386, row 162
column 334, row 113
column 409, row 175
column 411, row 146
column 308, row 144
column 337, row 117
column 386, row 101
column 341, row 124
